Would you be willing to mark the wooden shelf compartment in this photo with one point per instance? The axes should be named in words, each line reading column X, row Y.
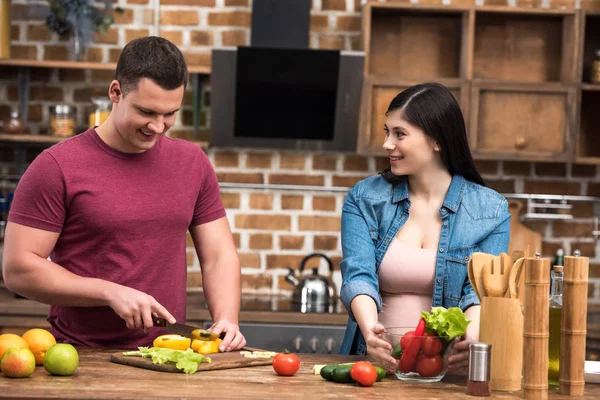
column 520, row 121
column 378, row 92
column 414, row 42
column 519, row 45
column 589, row 127
column 591, row 43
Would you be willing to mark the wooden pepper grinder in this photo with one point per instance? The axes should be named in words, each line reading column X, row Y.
column 536, row 327
column 573, row 325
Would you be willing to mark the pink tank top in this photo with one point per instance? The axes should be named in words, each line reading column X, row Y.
column 406, row 284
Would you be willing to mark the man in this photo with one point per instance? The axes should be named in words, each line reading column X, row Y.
column 111, row 208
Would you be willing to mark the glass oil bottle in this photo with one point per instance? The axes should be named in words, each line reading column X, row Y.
column 555, row 323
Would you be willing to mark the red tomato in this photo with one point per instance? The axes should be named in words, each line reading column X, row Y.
column 404, row 339
column 429, row 366
column 286, row 364
column 431, row 345
column 364, row 373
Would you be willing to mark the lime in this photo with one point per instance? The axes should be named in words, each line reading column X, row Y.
column 61, row 359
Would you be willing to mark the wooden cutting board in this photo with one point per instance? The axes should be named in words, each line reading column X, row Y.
column 228, row 360
column 520, row 235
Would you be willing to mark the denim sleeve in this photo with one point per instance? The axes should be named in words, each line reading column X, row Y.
column 359, row 274
column 495, row 243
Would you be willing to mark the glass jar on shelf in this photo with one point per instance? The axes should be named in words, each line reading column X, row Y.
column 13, row 124
column 100, row 111
column 595, row 73
column 62, row 120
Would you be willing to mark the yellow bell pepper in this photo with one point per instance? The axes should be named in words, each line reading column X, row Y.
column 206, row 346
column 175, row 342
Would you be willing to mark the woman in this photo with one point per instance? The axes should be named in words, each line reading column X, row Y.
column 408, row 232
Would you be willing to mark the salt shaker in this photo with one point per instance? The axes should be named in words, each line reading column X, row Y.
column 480, row 356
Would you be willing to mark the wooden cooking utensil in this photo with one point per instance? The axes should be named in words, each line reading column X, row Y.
column 495, row 280
column 515, row 255
column 516, row 281
column 506, row 264
column 478, row 260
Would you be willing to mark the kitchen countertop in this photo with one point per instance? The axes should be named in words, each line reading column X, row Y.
column 255, row 308
column 98, row 378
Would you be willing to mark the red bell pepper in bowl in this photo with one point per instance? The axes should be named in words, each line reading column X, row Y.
column 423, row 351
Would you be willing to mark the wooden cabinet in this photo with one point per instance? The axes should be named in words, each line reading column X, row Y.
column 518, row 121
column 588, row 126
column 515, row 73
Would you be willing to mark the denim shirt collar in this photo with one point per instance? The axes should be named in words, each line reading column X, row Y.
column 451, row 201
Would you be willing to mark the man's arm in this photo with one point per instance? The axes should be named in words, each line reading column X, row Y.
column 26, row 270
column 221, row 276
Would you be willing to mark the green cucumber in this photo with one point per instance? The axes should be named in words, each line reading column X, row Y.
column 380, row 373
column 327, row 370
column 341, row 374
column 397, row 351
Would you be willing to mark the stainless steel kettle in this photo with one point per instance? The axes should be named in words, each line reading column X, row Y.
column 313, row 293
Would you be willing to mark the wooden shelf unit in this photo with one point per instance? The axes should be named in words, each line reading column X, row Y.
column 514, row 72
column 588, row 124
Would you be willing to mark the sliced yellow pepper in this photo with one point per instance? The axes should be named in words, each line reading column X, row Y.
column 206, row 346
column 175, row 342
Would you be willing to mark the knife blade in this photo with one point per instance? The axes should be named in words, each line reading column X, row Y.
column 186, row 330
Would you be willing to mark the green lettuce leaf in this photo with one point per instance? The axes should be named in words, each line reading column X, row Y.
column 185, row 360
column 450, row 322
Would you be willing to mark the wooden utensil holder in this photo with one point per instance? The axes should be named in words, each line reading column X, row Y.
column 501, row 325
column 573, row 326
column 536, row 327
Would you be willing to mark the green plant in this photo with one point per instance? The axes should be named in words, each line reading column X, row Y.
column 82, row 18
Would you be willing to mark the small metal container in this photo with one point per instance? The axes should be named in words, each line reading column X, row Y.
column 480, row 357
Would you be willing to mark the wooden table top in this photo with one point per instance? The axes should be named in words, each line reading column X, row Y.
column 98, row 378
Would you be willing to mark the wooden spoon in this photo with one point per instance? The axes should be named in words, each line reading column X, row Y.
column 478, row 260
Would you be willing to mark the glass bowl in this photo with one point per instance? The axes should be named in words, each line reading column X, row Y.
column 431, row 362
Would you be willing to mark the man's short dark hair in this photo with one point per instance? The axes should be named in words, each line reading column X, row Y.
column 154, row 58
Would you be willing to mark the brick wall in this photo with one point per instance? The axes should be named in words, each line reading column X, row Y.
column 273, row 229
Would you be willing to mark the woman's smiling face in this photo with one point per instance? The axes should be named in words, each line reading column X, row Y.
column 409, row 148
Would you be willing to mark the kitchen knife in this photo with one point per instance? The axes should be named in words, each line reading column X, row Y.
column 186, row 330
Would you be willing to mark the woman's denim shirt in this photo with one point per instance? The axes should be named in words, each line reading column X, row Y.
column 474, row 219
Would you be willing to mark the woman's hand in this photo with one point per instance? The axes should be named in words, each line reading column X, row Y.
column 379, row 349
column 458, row 363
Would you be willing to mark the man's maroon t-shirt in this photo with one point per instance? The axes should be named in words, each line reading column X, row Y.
column 123, row 218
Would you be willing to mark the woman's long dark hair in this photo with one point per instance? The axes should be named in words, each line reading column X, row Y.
column 432, row 108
